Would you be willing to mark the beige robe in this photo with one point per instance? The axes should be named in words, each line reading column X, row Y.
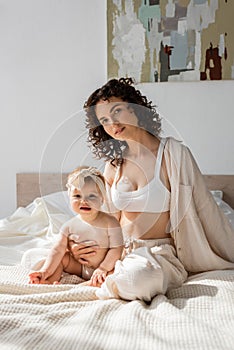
column 203, row 236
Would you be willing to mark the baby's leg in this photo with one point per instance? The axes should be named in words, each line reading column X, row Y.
column 67, row 264
column 71, row 265
column 36, row 276
column 55, row 278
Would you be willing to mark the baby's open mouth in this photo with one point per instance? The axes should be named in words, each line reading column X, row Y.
column 85, row 208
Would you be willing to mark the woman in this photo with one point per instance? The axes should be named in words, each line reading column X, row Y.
column 170, row 222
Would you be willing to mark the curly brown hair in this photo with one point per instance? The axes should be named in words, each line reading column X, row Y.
column 102, row 144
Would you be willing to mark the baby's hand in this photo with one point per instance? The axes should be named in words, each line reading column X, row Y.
column 98, row 277
column 36, row 277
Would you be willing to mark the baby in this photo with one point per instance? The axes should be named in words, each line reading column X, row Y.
column 86, row 190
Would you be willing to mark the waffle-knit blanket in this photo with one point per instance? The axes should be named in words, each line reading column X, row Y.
column 198, row 315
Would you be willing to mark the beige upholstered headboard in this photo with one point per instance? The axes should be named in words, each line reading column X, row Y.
column 33, row 185
column 224, row 183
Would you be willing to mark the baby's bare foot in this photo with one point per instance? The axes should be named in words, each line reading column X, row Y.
column 89, row 283
column 86, row 283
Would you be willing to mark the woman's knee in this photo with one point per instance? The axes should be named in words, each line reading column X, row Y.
column 134, row 279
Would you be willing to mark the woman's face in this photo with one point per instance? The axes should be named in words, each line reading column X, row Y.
column 117, row 118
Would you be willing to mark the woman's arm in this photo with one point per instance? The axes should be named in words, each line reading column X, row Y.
column 83, row 251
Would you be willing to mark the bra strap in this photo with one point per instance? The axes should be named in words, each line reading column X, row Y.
column 159, row 158
column 116, row 175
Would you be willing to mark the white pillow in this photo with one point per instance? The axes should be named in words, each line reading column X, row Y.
column 218, row 195
column 60, row 201
column 58, row 210
column 228, row 211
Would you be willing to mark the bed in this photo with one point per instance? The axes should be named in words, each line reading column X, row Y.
column 198, row 315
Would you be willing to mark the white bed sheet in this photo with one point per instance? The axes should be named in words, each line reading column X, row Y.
column 30, row 227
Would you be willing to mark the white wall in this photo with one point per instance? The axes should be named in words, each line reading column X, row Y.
column 53, row 55
column 202, row 115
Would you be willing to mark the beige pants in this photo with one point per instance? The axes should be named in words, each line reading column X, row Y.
column 150, row 268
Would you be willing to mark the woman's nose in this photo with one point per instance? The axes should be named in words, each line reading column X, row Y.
column 114, row 120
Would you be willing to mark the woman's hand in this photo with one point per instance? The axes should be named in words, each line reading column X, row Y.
column 82, row 252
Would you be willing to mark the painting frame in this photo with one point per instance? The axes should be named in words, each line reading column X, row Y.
column 170, row 40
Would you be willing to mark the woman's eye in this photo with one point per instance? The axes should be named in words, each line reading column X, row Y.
column 76, row 196
column 117, row 110
column 104, row 121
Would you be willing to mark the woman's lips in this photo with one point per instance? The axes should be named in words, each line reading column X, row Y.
column 118, row 131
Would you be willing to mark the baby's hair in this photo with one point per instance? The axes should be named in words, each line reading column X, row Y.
column 81, row 174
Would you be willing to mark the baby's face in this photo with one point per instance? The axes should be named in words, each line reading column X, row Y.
column 87, row 200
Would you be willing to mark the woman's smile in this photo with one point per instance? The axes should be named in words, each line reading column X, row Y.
column 119, row 130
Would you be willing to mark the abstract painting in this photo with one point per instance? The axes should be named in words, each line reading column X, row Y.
column 170, row 40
